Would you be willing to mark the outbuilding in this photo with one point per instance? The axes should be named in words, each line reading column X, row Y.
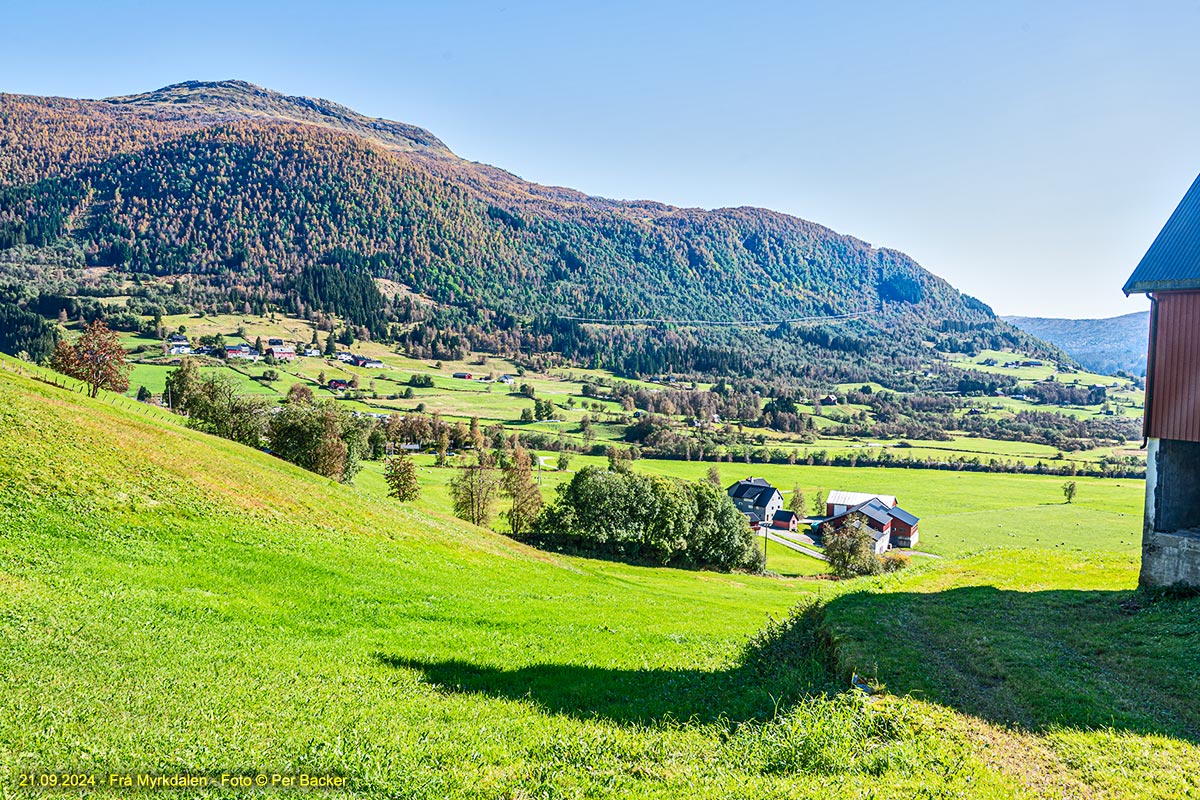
column 1170, row 274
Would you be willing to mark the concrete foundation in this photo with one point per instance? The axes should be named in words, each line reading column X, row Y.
column 1171, row 533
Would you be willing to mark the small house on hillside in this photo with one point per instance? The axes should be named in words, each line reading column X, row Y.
column 829, row 400
column 757, row 499
column 282, row 352
column 1170, row 274
column 243, row 351
column 462, row 375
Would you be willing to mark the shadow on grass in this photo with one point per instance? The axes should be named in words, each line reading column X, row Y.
column 777, row 667
column 1078, row 659
column 1036, row 660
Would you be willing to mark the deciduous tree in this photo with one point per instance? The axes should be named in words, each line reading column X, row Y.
column 849, row 547
column 401, row 476
column 473, row 491
column 797, row 503
column 97, row 359
column 521, row 489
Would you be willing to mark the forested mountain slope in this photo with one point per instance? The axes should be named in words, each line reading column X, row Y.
column 241, row 190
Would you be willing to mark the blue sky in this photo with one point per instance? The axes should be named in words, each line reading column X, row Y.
column 1027, row 152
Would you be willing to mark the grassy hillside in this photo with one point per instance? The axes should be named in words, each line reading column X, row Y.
column 1062, row 649
column 173, row 602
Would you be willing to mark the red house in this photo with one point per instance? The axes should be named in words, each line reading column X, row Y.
column 897, row 527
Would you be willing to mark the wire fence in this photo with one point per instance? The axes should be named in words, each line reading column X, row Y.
column 57, row 379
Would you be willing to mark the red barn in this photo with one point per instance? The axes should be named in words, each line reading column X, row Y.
column 1170, row 274
column 898, row 527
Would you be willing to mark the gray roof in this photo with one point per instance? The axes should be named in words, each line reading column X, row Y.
column 880, row 512
column 751, row 488
column 1173, row 261
column 875, row 510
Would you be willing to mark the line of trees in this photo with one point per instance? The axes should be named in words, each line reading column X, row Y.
column 319, row 436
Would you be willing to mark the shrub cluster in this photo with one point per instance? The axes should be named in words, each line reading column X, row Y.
column 648, row 518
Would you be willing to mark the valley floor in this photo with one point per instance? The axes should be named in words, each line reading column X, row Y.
column 174, row 603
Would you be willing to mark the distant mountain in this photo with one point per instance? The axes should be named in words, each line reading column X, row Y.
column 242, row 197
column 1101, row 345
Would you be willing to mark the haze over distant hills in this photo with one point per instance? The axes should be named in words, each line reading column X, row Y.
column 1101, row 345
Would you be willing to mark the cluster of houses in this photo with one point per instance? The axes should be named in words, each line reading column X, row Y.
column 359, row 360
column 470, row 376
column 275, row 348
column 178, row 345
column 890, row 525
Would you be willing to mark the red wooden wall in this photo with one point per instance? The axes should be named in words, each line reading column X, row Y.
column 1173, row 404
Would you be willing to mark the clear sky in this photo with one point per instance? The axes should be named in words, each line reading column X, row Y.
column 1027, row 152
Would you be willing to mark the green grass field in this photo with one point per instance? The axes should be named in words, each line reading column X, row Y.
column 494, row 403
column 177, row 603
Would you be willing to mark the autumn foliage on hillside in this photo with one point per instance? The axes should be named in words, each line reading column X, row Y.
column 251, row 192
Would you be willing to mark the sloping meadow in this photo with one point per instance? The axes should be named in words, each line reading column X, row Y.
column 174, row 603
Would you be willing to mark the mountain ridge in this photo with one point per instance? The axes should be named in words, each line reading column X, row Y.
column 1103, row 345
column 230, row 100
column 243, row 189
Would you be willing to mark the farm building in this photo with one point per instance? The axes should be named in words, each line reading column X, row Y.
column 1170, row 274
column 784, row 521
column 282, row 352
column 897, row 526
column 243, row 351
column 757, row 499
column 839, row 502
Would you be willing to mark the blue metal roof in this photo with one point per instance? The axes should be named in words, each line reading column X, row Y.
column 1173, row 262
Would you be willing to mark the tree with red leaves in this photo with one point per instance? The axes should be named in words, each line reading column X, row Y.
column 96, row 358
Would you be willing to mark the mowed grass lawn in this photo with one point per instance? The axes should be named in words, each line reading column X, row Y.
column 172, row 602
column 963, row 512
